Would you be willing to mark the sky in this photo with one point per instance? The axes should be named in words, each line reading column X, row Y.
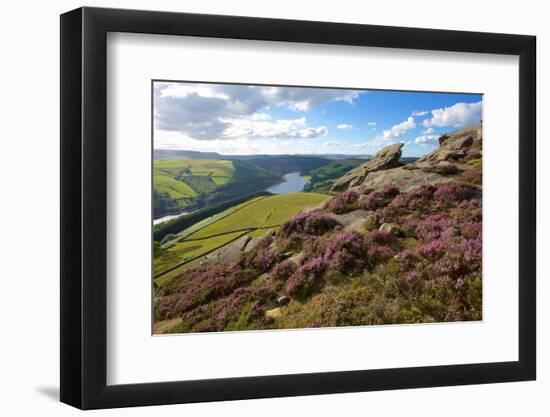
column 234, row 119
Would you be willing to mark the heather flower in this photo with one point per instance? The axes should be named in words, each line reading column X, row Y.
column 378, row 198
column 413, row 276
column 344, row 252
column 471, row 230
column 310, row 223
column 306, row 279
column 205, row 283
column 473, row 250
column 431, row 249
column 419, row 198
column 453, row 192
column 343, row 202
column 378, row 236
column 379, row 253
column 407, row 259
column 433, row 226
column 283, row 270
column 164, row 307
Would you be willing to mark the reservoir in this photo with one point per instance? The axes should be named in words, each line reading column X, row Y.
column 293, row 183
column 168, row 217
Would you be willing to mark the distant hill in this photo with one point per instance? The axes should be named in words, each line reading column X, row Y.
column 182, row 154
column 283, row 164
column 192, row 184
column 178, row 154
column 195, row 180
column 321, row 179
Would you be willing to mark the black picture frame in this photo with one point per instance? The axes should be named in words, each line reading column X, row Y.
column 84, row 207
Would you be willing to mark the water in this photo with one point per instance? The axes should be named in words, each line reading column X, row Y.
column 168, row 217
column 293, row 183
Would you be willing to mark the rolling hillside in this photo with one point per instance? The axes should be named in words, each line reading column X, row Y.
column 197, row 183
column 253, row 218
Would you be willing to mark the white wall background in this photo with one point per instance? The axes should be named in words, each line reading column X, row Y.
column 29, row 172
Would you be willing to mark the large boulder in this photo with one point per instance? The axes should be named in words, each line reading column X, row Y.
column 453, row 146
column 441, row 165
column 386, row 158
column 404, row 179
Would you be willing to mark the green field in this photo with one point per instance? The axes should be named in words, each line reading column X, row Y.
column 175, row 189
column 184, row 251
column 216, row 168
column 264, row 212
column 184, row 179
column 253, row 218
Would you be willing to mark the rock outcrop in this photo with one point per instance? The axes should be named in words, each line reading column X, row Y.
column 453, row 148
column 447, row 161
column 385, row 159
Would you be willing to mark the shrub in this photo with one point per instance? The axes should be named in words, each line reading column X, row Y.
column 343, row 202
column 209, row 282
column 307, row 279
column 454, row 192
column 378, row 198
column 431, row 250
column 433, row 226
column 311, row 223
column 473, row 176
column 378, row 237
column 378, row 254
column 164, row 307
column 262, row 258
column 282, row 271
column 345, row 251
column 471, row 230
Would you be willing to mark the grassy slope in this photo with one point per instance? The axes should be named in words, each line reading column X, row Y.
column 253, row 218
column 166, row 171
column 265, row 212
column 175, row 189
column 187, row 250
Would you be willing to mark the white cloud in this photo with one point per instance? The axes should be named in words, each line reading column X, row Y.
column 427, row 140
column 344, row 126
column 419, row 113
column 302, row 99
column 259, row 126
column 428, row 131
column 299, row 105
column 457, row 115
column 360, row 145
column 399, row 129
column 334, row 144
column 184, row 90
column 225, row 111
column 371, row 123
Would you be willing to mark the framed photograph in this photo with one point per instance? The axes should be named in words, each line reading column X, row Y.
column 258, row 208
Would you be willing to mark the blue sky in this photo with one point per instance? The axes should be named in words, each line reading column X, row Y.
column 244, row 119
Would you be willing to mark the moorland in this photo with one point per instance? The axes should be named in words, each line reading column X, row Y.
column 378, row 240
